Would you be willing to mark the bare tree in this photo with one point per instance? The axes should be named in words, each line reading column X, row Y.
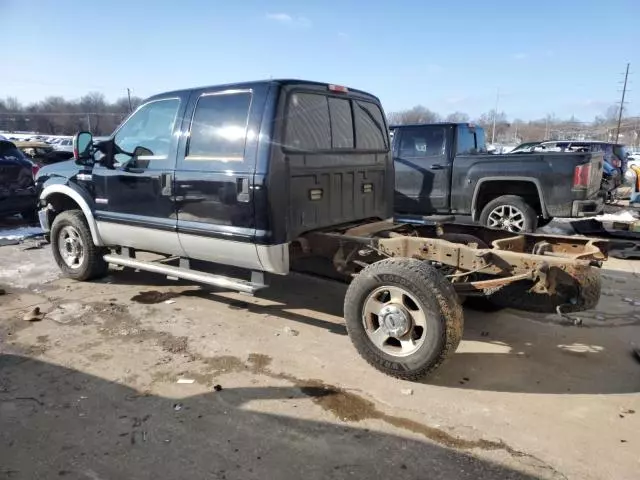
column 417, row 114
column 457, row 117
column 499, row 119
column 56, row 115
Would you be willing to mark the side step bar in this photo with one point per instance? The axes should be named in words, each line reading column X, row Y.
column 229, row 283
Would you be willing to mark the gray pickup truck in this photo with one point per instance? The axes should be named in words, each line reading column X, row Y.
column 444, row 168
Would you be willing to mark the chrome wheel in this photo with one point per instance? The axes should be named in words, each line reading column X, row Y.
column 394, row 321
column 507, row 217
column 71, row 247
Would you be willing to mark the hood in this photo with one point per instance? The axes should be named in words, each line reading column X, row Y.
column 67, row 169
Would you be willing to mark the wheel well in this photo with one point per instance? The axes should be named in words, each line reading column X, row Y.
column 60, row 203
column 494, row 189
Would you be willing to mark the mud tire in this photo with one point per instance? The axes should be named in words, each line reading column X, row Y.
column 584, row 294
column 93, row 265
column 436, row 298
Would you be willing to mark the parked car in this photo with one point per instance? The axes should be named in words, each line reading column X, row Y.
column 266, row 175
column 444, row 168
column 64, row 145
column 17, row 187
column 42, row 153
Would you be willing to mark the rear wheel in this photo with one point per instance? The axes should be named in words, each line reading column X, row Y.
column 572, row 294
column 73, row 247
column 511, row 213
column 403, row 317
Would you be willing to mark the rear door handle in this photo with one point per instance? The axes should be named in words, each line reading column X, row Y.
column 166, row 183
column 242, row 185
column 436, row 166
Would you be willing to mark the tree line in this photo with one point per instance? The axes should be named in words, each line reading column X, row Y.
column 58, row 116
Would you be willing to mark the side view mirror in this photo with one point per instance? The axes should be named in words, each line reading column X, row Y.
column 82, row 143
column 142, row 152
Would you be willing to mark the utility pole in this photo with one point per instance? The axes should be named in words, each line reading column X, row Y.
column 495, row 114
column 624, row 91
column 546, row 127
column 129, row 97
column 88, row 122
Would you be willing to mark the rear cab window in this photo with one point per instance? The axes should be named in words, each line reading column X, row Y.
column 317, row 122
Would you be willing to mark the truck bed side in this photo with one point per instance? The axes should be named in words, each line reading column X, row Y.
column 478, row 178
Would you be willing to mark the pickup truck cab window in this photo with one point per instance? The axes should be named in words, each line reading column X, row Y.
column 150, row 127
column 423, row 142
column 371, row 132
column 466, row 141
column 326, row 123
column 219, row 127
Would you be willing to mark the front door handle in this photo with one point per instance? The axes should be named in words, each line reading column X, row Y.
column 436, row 166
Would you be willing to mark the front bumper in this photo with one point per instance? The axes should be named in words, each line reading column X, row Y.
column 587, row 208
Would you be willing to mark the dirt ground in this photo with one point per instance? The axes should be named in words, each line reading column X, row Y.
column 138, row 376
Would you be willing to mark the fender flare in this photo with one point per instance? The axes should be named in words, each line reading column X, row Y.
column 80, row 199
column 535, row 181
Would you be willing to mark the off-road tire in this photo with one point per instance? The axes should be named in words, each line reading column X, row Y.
column 583, row 295
column 530, row 215
column 437, row 299
column 93, row 265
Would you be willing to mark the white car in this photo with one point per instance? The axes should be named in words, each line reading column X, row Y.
column 64, row 145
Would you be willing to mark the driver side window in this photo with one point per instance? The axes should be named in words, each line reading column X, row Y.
column 151, row 128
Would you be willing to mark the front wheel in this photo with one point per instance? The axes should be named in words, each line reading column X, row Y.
column 73, row 247
column 403, row 317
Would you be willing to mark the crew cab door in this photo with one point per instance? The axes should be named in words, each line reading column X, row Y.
column 135, row 204
column 215, row 176
column 422, row 169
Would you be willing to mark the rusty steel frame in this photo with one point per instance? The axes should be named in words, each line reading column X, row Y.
column 550, row 261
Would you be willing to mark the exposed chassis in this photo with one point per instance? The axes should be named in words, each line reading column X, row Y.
column 480, row 261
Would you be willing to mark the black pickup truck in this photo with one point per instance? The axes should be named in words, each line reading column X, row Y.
column 264, row 175
column 444, row 168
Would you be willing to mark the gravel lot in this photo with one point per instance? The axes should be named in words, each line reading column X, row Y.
column 138, row 376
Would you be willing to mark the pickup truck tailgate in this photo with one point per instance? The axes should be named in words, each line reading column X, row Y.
column 597, row 162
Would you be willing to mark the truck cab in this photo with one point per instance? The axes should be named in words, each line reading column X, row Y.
column 228, row 174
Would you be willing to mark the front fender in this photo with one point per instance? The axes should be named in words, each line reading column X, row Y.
column 61, row 186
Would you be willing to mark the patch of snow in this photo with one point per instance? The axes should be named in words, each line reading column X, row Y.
column 624, row 216
column 557, row 229
column 19, row 233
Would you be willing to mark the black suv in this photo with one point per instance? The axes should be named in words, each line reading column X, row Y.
column 17, row 188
